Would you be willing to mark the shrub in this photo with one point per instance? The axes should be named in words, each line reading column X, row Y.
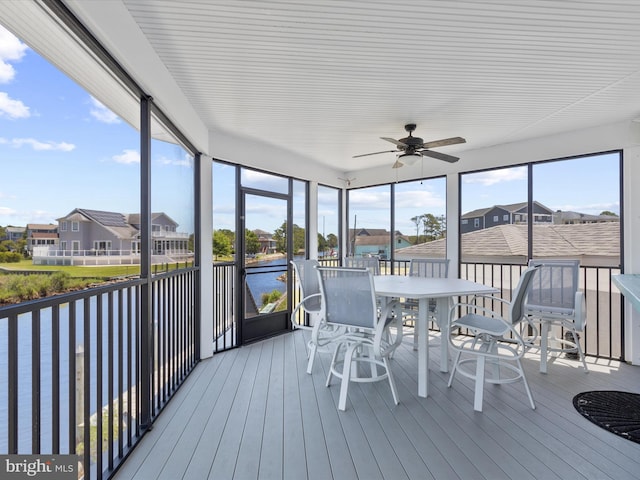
column 10, row 257
column 272, row 297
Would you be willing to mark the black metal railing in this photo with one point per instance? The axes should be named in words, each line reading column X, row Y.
column 603, row 335
column 604, row 332
column 70, row 369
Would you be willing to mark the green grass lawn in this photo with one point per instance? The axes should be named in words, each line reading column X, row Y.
column 18, row 285
column 107, row 271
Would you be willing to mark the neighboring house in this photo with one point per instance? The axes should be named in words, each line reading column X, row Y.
column 365, row 242
column 596, row 244
column 14, row 234
column 88, row 234
column 503, row 215
column 166, row 239
column 267, row 242
column 41, row 235
column 566, row 218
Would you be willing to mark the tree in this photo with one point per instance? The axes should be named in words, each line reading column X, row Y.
column 221, row 245
column 418, row 221
column 280, row 236
column 607, row 212
column 332, row 240
column 299, row 238
column 252, row 243
column 322, row 243
column 433, row 227
column 231, row 236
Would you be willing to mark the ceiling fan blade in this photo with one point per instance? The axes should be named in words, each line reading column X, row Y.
column 440, row 156
column 398, row 164
column 443, row 142
column 375, row 153
column 395, row 142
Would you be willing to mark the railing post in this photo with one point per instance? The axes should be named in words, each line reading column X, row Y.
column 146, row 334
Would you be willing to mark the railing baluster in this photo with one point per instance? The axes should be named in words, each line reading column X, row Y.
column 120, row 426
column 12, row 377
column 55, row 379
column 71, row 373
column 86, row 411
column 99, row 371
column 110, row 367
column 36, row 418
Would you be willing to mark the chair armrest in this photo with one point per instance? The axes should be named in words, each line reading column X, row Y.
column 298, row 307
column 490, row 298
column 386, row 319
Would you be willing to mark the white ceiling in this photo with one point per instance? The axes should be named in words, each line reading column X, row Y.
column 325, row 79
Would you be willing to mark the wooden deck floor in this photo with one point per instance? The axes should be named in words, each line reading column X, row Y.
column 253, row 413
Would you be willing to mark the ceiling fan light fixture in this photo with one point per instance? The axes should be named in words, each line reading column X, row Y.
column 409, row 158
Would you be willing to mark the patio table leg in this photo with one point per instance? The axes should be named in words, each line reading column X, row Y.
column 423, row 347
column 442, row 307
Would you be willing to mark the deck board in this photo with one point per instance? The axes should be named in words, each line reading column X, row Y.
column 254, row 413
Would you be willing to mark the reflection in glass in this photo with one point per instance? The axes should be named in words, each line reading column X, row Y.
column 420, row 218
column 172, row 204
column 264, row 181
column 328, row 222
column 493, row 223
column 369, row 219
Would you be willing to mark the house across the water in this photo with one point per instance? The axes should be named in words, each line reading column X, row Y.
column 94, row 237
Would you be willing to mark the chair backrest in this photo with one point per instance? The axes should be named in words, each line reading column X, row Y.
column 307, row 277
column 348, row 296
column 554, row 286
column 517, row 309
column 370, row 263
column 429, row 267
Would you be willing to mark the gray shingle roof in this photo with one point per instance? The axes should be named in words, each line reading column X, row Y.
column 594, row 239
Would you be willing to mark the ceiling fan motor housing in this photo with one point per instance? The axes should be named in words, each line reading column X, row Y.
column 412, row 143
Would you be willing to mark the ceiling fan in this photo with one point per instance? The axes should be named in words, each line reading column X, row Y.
column 413, row 148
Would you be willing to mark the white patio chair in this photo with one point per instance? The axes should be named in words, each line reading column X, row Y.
column 321, row 335
column 555, row 301
column 370, row 263
column 429, row 268
column 349, row 301
column 496, row 341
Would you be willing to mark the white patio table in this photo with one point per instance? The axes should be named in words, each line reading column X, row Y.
column 422, row 289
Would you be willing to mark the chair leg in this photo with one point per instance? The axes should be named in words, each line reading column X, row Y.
column 454, row 368
column 477, row 401
column 346, row 376
column 580, row 352
column 334, row 357
column 544, row 346
column 312, row 355
column 526, row 385
column 392, row 382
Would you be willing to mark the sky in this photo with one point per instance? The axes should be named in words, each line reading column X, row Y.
column 62, row 149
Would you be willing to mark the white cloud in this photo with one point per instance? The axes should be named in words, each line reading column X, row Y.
column 497, row 176
column 420, row 199
column 127, row 157
column 11, row 49
column 186, row 161
column 41, row 146
column 12, row 108
column 7, row 211
column 101, row 113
